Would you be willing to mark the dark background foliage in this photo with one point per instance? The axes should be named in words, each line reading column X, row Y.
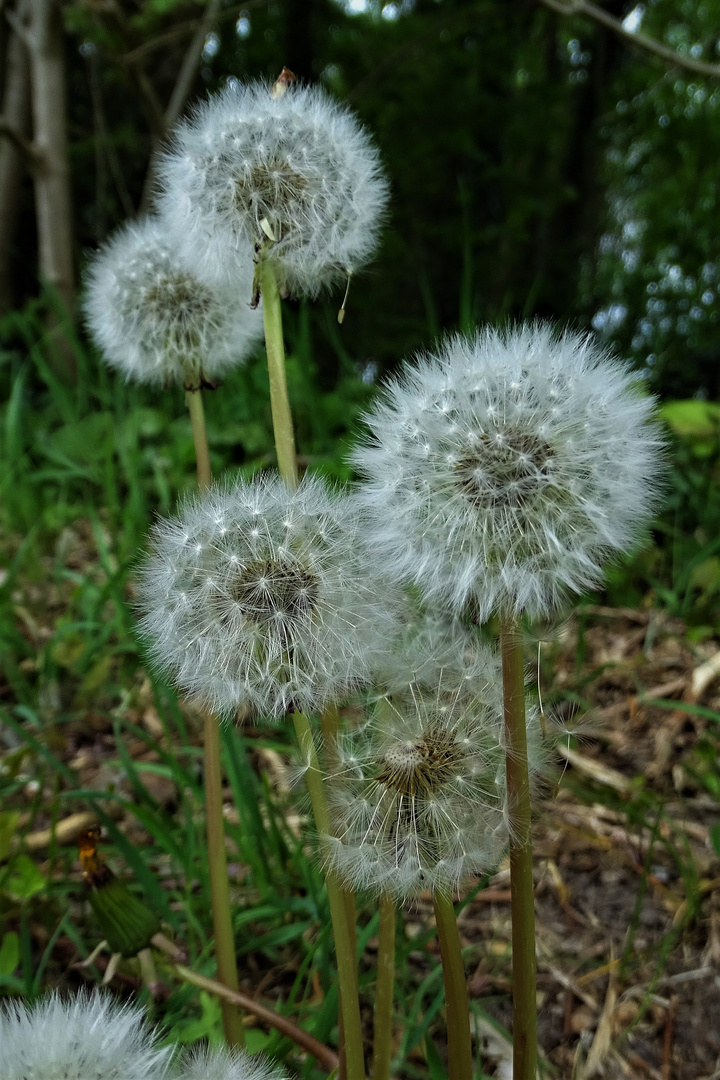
column 540, row 165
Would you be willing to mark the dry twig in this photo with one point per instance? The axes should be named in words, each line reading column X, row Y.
column 641, row 41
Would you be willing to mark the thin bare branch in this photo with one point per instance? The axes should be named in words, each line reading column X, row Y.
column 103, row 141
column 15, row 159
column 181, row 92
column 641, row 41
column 185, row 29
column 325, row 1057
column 190, row 65
column 150, row 102
column 146, row 91
column 21, row 28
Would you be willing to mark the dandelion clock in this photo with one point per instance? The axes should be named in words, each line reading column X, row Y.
column 507, row 469
column 89, row 1037
column 262, row 596
column 155, row 321
column 292, row 174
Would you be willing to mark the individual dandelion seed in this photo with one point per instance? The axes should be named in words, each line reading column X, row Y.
column 296, row 175
column 418, row 797
column 259, row 595
column 219, row 1063
column 156, row 322
column 506, row 470
column 88, row 1037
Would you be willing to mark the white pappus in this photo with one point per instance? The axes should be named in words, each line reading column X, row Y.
column 295, row 175
column 221, row 1063
column 505, row 470
column 261, row 596
column 88, row 1037
column 156, row 322
column 417, row 794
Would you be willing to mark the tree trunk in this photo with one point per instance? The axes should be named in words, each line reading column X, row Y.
column 16, row 117
column 52, row 174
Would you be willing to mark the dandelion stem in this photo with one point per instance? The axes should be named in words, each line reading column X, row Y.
column 194, row 401
column 521, row 855
column 279, row 401
column 343, row 927
column 330, row 724
column 219, row 886
column 460, row 1061
column 217, row 859
column 382, row 1036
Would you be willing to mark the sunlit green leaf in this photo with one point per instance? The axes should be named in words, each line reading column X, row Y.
column 24, row 879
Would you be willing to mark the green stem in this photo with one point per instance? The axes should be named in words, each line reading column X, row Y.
column 382, row 1038
column 460, row 1060
column 219, row 886
column 330, row 724
column 522, row 896
column 279, row 401
column 194, row 401
column 343, row 930
column 217, row 858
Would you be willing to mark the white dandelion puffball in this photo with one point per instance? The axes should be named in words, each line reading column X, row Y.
column 156, row 322
column 296, row 175
column 261, row 595
column 89, row 1037
column 418, row 797
column 507, row 469
column 434, row 649
column 220, row 1063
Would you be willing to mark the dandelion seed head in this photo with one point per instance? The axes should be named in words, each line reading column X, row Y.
column 505, row 471
column 89, row 1037
column 418, row 796
column 220, row 1063
column 295, row 175
column 155, row 321
column 277, row 607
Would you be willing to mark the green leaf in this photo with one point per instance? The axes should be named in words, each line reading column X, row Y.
column 256, row 1041
column 208, row 1026
column 8, row 827
column 434, row 1061
column 97, row 677
column 83, row 441
column 715, row 838
column 694, row 420
column 24, row 879
column 9, row 953
column 68, row 651
column 706, row 576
